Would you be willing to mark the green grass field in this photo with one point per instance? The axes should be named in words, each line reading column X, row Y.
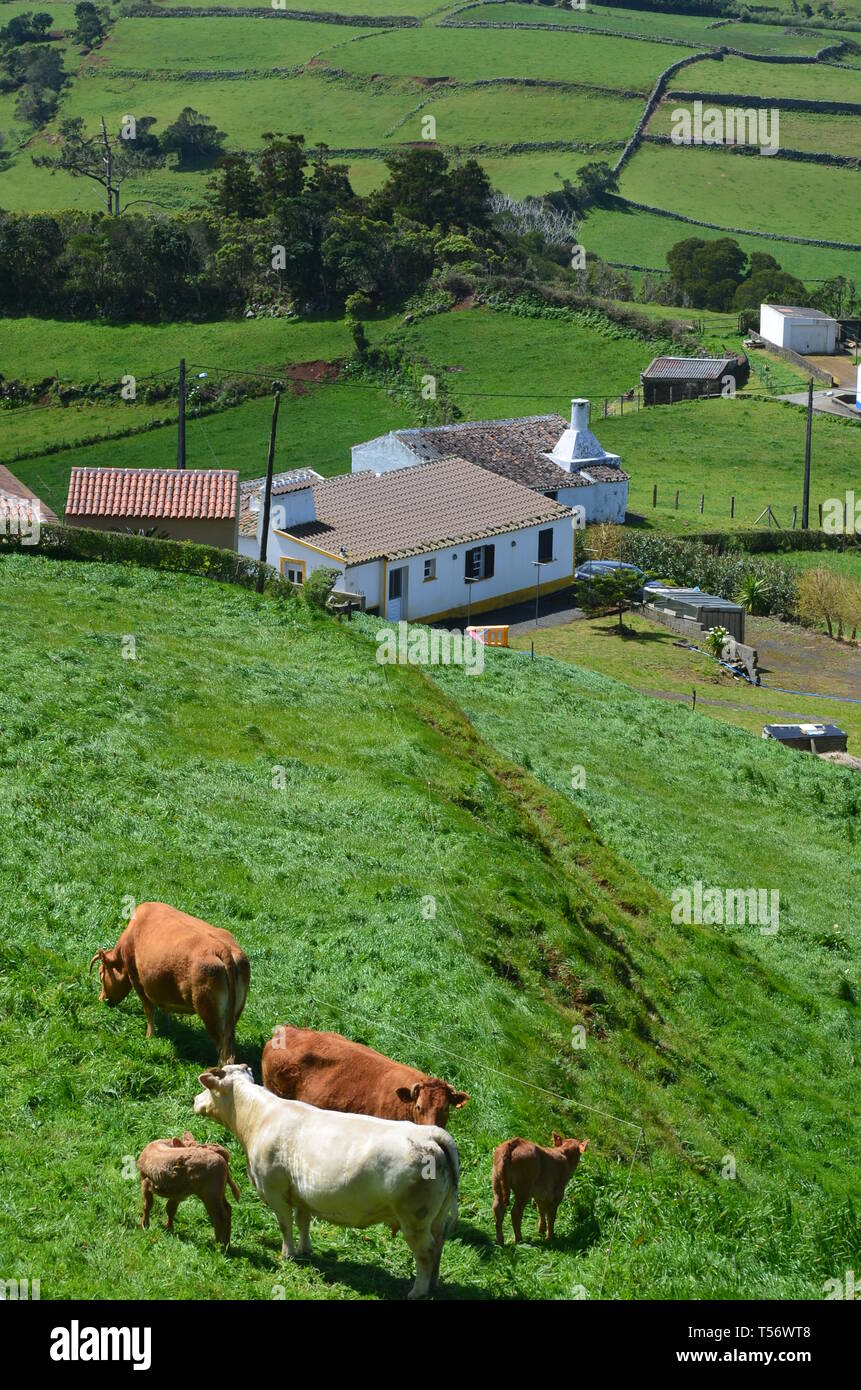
column 770, row 195
column 640, row 238
column 809, row 82
column 717, row 1042
column 799, row 130
column 751, row 449
column 210, row 42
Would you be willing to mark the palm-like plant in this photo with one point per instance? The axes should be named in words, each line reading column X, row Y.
column 752, row 593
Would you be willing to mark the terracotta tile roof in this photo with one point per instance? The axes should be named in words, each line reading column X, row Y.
column 252, row 488
column 209, row 494
column 422, row 507
column 512, row 448
column 12, row 489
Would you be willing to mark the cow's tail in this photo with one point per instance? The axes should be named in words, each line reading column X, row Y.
column 502, row 1170
column 452, row 1161
column 228, row 1043
column 232, row 1185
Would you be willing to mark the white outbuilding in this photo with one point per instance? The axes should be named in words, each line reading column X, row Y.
column 805, row 331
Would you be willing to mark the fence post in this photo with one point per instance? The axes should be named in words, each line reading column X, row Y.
column 794, row 517
column 654, row 494
column 677, row 499
column 820, row 516
column 732, row 507
column 621, row 405
column 702, row 502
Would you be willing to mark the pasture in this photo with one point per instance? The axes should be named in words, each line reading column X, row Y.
column 712, row 1040
column 799, row 130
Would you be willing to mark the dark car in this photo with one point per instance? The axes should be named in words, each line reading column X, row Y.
column 593, row 569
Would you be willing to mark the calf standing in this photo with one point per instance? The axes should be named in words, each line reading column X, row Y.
column 333, row 1073
column 181, row 965
column 180, row 1168
column 529, row 1171
column 352, row 1170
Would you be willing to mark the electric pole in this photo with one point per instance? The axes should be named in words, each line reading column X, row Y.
column 267, row 495
column 180, row 436
column 805, row 503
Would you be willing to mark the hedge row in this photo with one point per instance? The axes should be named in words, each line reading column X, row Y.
column 180, row 557
column 769, row 542
column 735, row 231
column 356, row 21
column 691, row 563
column 827, row 108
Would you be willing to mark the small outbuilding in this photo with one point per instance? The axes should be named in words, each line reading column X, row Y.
column 180, row 504
column 799, row 330
column 667, row 380
column 809, row 738
column 700, row 610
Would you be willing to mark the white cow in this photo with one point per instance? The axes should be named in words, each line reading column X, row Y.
column 352, row 1170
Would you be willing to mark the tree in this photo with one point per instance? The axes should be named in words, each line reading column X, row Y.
column 594, row 181
column 193, row 137
column 423, row 187
column 707, row 272
column 769, row 286
column 385, row 261
column 36, row 64
column 614, row 589
column 838, row 297
column 90, row 23
column 824, row 596
column 282, row 168
column 26, row 28
column 107, row 162
column 35, row 104
column 235, row 190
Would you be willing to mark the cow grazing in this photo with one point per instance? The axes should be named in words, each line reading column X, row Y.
column 352, row 1170
column 181, row 965
column 180, row 1168
column 333, row 1073
column 526, row 1171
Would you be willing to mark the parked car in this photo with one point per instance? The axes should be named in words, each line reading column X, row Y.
column 592, row 569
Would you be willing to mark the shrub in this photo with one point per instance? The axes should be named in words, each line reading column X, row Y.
column 319, row 585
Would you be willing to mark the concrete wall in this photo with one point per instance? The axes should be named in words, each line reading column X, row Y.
column 514, row 574
column 223, row 534
column 600, row 501
column 381, row 454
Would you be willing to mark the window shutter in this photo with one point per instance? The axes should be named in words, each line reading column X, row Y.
column 488, row 561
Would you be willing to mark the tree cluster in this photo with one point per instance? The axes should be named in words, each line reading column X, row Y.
column 719, row 275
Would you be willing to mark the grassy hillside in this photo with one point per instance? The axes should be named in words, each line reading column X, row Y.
column 154, row 778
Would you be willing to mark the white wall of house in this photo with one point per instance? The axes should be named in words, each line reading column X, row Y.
column 600, row 501
column 382, row 455
column 798, row 333
column 446, row 592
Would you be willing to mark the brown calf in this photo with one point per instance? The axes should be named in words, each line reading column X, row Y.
column 180, row 1168
column 526, row 1171
column 179, row 964
column 333, row 1073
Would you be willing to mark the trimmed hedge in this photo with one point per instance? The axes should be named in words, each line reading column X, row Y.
column 181, row 557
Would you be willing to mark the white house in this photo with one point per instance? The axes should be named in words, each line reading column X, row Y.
column 800, row 330
column 425, row 541
column 560, row 460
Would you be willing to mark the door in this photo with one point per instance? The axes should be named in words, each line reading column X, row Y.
column 396, row 607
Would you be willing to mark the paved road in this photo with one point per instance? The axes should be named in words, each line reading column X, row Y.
column 554, row 610
column 823, row 404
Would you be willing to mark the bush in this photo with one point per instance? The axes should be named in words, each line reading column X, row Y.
column 319, row 585
column 184, row 557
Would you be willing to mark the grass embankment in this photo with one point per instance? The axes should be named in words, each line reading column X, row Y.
column 154, row 778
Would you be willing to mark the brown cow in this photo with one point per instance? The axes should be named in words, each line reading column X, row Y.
column 181, row 965
column 529, row 1171
column 180, row 1168
column 333, row 1073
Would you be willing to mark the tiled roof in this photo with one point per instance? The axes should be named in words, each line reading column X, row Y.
column 422, row 507
column 512, row 448
column 12, row 490
column 687, row 368
column 252, row 488
column 209, row 494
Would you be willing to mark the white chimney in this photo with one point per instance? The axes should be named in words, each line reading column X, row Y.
column 293, row 506
column 578, row 446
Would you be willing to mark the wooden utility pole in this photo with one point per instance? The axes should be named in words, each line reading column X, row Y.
column 267, row 494
column 805, row 501
column 180, row 436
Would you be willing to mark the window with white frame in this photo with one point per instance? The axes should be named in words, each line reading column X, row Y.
column 430, row 567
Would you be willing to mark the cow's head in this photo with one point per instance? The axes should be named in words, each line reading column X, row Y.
column 573, row 1149
column 431, row 1100
column 216, row 1099
column 113, row 975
